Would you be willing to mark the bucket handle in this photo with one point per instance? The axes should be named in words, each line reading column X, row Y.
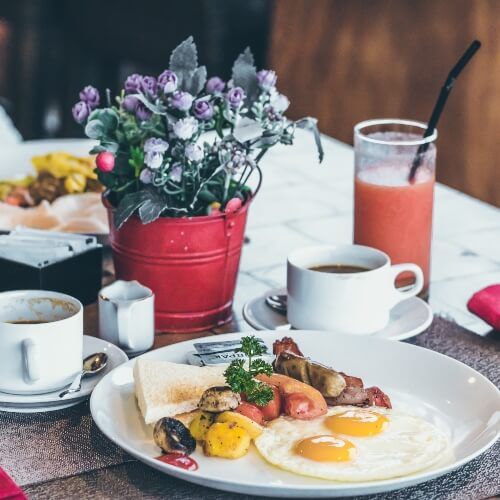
column 257, row 189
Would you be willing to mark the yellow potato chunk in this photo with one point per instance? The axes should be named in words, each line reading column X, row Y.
column 253, row 428
column 226, row 440
column 200, row 425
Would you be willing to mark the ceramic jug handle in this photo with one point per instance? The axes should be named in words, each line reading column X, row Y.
column 31, row 365
column 123, row 320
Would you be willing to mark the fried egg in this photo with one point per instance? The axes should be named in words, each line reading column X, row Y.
column 353, row 444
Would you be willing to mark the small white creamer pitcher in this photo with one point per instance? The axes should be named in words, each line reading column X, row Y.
column 126, row 316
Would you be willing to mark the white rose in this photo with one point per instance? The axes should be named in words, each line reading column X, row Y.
column 279, row 102
column 185, row 128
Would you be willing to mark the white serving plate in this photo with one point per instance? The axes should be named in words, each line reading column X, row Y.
column 456, row 398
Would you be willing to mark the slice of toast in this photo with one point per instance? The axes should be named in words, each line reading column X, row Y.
column 165, row 389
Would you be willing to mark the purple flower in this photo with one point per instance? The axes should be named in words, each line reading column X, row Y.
column 203, row 110
column 90, row 95
column 146, row 176
column 133, row 83
column 142, row 113
column 175, row 173
column 185, row 129
column 215, row 85
column 155, row 145
column 149, row 87
column 130, row 103
column 81, row 111
column 235, row 97
column 182, row 100
column 193, row 152
column 266, row 78
column 167, row 81
column 154, row 149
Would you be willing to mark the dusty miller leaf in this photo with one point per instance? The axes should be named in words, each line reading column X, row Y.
column 184, row 61
column 128, row 205
column 158, row 109
column 152, row 208
column 311, row 124
column 247, row 129
column 197, row 80
column 245, row 75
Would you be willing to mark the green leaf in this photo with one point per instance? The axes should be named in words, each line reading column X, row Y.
column 107, row 116
column 94, row 129
column 245, row 75
column 184, row 61
column 112, row 147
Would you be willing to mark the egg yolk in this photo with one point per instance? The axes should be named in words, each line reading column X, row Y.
column 357, row 423
column 325, row 448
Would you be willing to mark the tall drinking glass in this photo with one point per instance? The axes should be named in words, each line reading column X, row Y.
column 390, row 212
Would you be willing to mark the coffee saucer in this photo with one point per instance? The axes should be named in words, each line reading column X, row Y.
column 407, row 319
column 50, row 401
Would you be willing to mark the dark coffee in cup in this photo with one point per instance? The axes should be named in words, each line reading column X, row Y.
column 339, row 269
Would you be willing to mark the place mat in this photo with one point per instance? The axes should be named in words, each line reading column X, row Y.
column 37, row 447
column 478, row 479
column 43, row 447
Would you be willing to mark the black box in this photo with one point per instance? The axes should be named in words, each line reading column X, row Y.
column 79, row 276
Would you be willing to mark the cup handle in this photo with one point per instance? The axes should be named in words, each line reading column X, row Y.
column 400, row 295
column 123, row 319
column 31, row 365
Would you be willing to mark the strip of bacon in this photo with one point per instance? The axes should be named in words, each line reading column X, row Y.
column 286, row 344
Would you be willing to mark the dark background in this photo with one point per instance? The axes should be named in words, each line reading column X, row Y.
column 340, row 60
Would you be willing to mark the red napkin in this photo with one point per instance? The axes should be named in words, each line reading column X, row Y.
column 9, row 490
column 486, row 305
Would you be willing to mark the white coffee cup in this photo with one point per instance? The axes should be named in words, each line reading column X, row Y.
column 39, row 357
column 126, row 316
column 358, row 302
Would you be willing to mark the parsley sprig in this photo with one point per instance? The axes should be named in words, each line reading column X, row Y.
column 242, row 380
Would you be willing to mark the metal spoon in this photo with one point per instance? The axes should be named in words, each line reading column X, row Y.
column 91, row 365
column 277, row 302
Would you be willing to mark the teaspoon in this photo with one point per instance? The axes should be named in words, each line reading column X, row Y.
column 91, row 365
column 277, row 302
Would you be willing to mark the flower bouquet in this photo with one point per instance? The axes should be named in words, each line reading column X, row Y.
column 177, row 154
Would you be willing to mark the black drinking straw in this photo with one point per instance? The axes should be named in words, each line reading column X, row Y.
column 438, row 108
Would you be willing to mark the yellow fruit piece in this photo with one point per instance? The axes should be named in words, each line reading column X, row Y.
column 75, row 183
column 226, row 440
column 60, row 164
column 200, row 425
column 253, row 428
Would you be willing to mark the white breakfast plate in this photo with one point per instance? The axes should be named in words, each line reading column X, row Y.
column 15, row 161
column 16, row 158
column 456, row 398
column 408, row 318
column 50, row 401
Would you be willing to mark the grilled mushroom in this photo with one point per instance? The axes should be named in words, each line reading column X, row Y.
column 172, row 436
column 218, row 399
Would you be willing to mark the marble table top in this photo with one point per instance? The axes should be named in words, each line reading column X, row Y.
column 303, row 203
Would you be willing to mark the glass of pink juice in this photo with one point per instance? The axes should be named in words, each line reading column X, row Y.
column 390, row 212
